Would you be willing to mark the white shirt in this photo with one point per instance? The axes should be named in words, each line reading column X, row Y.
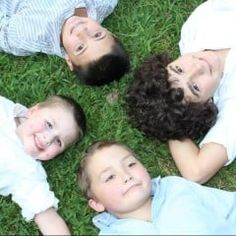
column 21, row 175
column 30, row 26
column 212, row 26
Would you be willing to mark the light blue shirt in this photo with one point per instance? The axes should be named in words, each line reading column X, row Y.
column 179, row 207
column 30, row 26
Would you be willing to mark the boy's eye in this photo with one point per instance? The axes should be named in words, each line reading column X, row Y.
column 195, row 87
column 110, row 177
column 48, row 124
column 58, row 141
column 131, row 164
column 178, row 69
column 80, row 48
column 97, row 34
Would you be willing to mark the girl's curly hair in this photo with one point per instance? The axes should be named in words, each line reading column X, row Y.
column 159, row 110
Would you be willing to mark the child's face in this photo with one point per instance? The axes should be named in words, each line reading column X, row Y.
column 119, row 181
column 198, row 74
column 47, row 131
column 85, row 40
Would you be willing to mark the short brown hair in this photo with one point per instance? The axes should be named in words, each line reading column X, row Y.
column 83, row 178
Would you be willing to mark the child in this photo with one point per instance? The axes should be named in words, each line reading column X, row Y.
column 118, row 185
column 177, row 101
column 69, row 29
column 28, row 136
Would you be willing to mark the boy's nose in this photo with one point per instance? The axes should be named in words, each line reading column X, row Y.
column 128, row 178
column 196, row 70
column 82, row 33
column 48, row 138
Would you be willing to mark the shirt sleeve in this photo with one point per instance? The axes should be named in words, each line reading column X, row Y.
column 33, row 195
column 6, row 108
column 211, row 197
column 223, row 132
column 219, row 202
column 9, row 40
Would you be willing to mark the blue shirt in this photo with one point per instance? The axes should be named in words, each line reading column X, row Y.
column 30, row 26
column 178, row 207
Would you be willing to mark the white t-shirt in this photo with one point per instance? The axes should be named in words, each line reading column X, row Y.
column 212, row 26
column 21, row 175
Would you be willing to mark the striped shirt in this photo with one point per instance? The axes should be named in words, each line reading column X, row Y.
column 30, row 26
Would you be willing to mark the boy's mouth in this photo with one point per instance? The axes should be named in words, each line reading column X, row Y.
column 131, row 187
column 38, row 144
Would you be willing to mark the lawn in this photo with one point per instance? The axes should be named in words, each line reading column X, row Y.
column 145, row 27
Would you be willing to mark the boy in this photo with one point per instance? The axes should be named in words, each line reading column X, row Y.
column 69, row 29
column 118, row 185
column 178, row 101
column 28, row 136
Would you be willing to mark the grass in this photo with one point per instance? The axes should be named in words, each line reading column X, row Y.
column 145, row 27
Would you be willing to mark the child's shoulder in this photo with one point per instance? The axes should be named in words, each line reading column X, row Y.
column 175, row 182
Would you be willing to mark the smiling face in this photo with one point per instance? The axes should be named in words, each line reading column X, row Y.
column 47, row 131
column 85, row 40
column 198, row 74
column 119, row 182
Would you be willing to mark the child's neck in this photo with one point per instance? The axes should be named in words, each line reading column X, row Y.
column 82, row 12
column 142, row 213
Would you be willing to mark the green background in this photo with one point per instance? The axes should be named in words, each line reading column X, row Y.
column 145, row 27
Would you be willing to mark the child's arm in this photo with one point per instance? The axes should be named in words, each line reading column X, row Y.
column 196, row 164
column 50, row 223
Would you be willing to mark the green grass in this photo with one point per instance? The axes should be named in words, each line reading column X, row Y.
column 145, row 27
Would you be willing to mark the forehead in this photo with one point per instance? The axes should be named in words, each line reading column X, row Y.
column 108, row 156
column 95, row 50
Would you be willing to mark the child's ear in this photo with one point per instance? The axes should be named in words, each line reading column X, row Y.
column 69, row 62
column 31, row 110
column 98, row 207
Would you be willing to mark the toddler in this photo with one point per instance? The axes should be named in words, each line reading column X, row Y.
column 119, row 186
column 28, row 136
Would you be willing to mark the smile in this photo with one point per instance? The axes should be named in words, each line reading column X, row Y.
column 39, row 146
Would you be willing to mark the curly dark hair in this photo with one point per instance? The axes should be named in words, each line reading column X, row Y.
column 159, row 110
column 111, row 66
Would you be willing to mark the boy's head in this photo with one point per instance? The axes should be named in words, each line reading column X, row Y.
column 92, row 52
column 161, row 109
column 113, row 179
column 51, row 126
